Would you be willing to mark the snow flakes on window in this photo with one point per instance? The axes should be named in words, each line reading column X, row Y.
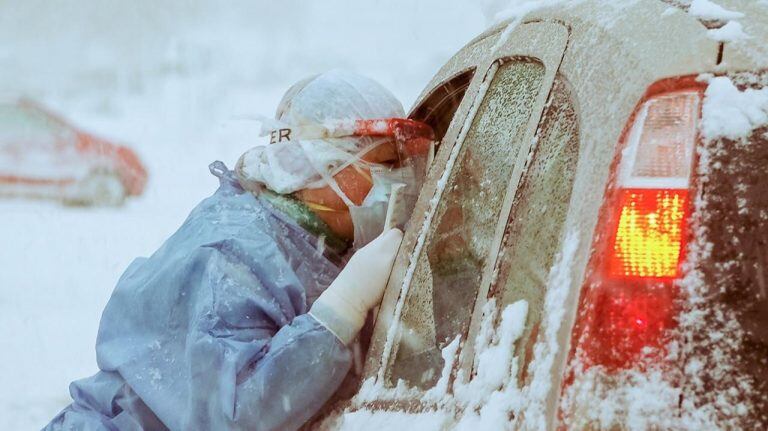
column 492, row 397
column 727, row 349
column 547, row 348
column 488, row 401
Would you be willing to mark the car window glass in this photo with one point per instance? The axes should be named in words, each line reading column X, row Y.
column 533, row 236
column 438, row 108
column 24, row 124
column 448, row 271
column 734, row 271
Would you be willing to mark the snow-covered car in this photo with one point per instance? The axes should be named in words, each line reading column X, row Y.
column 590, row 250
column 43, row 156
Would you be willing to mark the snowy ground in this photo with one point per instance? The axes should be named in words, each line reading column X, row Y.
column 175, row 82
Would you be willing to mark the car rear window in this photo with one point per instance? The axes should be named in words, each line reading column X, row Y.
column 729, row 340
column 447, row 273
column 535, row 229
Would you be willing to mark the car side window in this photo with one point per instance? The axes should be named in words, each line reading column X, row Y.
column 448, row 271
column 535, row 230
column 24, row 126
column 439, row 107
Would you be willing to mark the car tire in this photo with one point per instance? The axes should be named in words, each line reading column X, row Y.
column 98, row 189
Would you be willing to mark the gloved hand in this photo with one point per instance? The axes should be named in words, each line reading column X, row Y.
column 342, row 308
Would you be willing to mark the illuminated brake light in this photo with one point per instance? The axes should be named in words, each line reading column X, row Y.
column 628, row 302
column 649, row 233
column 652, row 195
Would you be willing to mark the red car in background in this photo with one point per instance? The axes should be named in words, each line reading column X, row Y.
column 43, row 156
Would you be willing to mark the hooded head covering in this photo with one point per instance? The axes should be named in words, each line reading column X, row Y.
column 291, row 163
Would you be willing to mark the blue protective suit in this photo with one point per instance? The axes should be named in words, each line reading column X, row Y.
column 211, row 331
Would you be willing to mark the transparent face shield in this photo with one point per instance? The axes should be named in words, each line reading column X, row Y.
column 395, row 185
column 395, row 188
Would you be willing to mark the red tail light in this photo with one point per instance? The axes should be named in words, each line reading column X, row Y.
column 628, row 302
column 649, row 233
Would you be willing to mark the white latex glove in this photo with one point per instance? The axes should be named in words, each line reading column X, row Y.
column 342, row 308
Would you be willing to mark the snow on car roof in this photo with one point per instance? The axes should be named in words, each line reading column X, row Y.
column 618, row 19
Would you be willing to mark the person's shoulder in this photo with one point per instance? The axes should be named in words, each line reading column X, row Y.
column 228, row 209
column 229, row 195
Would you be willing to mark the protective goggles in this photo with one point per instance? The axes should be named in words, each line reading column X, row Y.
column 412, row 137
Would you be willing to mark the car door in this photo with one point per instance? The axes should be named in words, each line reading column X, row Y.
column 445, row 268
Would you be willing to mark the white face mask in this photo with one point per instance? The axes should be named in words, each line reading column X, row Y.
column 309, row 157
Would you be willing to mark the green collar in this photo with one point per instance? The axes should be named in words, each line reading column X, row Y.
column 306, row 218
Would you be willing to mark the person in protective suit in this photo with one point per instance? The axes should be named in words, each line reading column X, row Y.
column 242, row 319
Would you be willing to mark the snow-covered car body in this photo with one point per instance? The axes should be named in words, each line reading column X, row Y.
column 500, row 312
column 43, row 156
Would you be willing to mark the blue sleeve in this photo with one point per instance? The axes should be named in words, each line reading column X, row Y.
column 211, row 331
column 305, row 366
column 280, row 391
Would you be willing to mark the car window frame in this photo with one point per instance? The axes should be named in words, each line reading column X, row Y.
column 542, row 41
column 498, row 285
column 454, row 67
